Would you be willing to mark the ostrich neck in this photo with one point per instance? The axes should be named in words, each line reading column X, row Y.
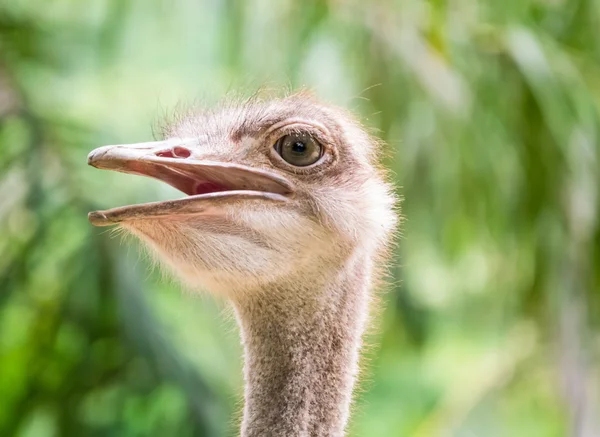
column 301, row 354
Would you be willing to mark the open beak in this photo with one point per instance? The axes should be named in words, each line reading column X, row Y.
column 209, row 184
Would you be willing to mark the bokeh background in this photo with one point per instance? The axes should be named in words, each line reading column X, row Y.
column 490, row 110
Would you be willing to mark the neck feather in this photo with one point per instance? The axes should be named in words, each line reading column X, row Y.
column 301, row 353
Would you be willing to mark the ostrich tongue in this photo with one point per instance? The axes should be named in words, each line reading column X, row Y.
column 208, row 183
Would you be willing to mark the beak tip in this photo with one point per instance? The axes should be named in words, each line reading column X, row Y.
column 93, row 157
column 96, row 155
column 97, row 218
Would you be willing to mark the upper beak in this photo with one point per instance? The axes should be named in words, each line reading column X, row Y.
column 175, row 162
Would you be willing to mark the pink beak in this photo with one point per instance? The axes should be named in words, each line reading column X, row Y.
column 209, row 184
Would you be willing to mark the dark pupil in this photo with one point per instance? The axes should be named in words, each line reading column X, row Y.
column 298, row 147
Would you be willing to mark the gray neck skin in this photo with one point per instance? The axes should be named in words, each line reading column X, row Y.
column 301, row 355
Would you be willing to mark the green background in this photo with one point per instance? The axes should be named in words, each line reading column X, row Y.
column 490, row 109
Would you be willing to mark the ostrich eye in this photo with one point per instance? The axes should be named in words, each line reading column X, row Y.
column 299, row 150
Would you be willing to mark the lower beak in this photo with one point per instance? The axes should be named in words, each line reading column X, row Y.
column 210, row 185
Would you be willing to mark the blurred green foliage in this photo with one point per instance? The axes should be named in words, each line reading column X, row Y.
column 490, row 109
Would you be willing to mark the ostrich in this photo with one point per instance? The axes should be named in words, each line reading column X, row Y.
column 287, row 216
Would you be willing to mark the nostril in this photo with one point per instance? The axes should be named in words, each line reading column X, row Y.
column 175, row 152
column 181, row 152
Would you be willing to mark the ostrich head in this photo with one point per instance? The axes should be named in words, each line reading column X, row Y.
column 277, row 192
column 286, row 215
